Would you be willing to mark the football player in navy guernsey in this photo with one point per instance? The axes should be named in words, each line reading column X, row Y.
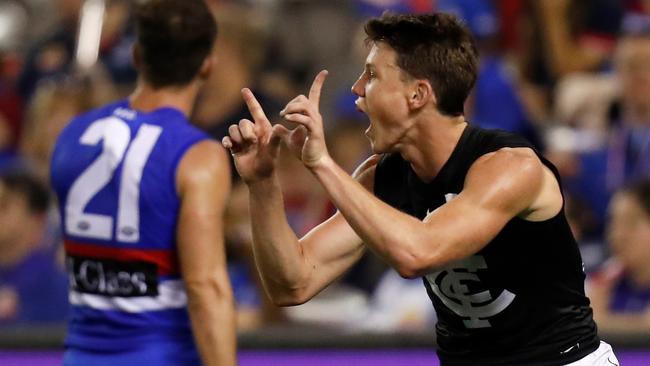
column 477, row 214
column 142, row 196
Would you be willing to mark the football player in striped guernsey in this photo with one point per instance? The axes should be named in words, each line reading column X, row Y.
column 142, row 195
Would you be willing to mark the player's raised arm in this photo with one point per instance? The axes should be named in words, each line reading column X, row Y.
column 292, row 270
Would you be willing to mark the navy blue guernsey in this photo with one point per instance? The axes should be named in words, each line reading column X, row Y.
column 520, row 300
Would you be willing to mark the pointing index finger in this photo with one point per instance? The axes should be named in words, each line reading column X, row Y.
column 255, row 108
column 316, row 86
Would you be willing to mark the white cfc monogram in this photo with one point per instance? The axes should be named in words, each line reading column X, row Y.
column 474, row 307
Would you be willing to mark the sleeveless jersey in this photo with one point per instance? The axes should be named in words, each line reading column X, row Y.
column 520, row 300
column 114, row 172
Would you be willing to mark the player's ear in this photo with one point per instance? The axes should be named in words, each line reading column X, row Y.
column 207, row 66
column 136, row 55
column 421, row 94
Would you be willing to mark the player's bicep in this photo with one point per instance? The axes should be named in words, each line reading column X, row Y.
column 498, row 187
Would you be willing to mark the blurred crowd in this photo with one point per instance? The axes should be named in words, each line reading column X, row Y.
column 573, row 76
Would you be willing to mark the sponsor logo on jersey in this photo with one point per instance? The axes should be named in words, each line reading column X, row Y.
column 111, row 277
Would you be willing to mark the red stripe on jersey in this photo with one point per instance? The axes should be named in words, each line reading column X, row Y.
column 166, row 260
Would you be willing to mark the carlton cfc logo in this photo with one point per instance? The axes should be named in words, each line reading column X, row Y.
column 475, row 307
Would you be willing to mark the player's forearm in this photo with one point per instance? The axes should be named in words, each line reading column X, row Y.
column 388, row 232
column 211, row 309
column 278, row 255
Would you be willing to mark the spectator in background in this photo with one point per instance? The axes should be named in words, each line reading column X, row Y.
column 609, row 143
column 629, row 115
column 13, row 17
column 116, row 43
column 53, row 105
column 33, row 285
column 560, row 37
column 324, row 29
column 620, row 293
column 371, row 8
column 497, row 79
column 240, row 49
column 53, row 55
column 7, row 149
column 636, row 13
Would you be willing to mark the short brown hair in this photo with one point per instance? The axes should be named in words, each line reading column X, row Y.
column 436, row 47
column 174, row 38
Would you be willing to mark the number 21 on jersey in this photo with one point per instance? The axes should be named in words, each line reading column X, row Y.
column 117, row 148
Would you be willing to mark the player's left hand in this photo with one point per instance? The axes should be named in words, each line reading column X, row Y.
column 308, row 139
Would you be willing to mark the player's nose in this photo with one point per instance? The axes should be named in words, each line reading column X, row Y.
column 358, row 88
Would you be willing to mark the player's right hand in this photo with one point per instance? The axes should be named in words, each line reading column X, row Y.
column 254, row 145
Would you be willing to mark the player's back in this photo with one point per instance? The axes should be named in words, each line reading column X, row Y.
column 114, row 172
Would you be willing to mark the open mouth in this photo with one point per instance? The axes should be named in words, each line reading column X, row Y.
column 356, row 105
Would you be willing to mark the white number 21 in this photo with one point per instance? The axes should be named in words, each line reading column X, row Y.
column 116, row 136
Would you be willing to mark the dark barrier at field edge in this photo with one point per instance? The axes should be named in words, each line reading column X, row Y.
column 297, row 346
column 291, row 337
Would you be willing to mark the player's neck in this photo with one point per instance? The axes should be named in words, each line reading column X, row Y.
column 432, row 145
column 146, row 99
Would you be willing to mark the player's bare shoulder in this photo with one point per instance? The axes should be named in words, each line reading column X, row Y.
column 518, row 180
column 511, row 159
column 205, row 161
column 508, row 166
